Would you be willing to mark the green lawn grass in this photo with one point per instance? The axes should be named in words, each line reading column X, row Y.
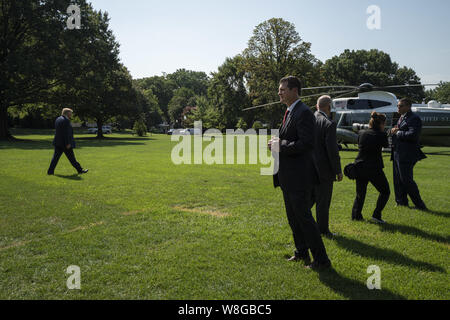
column 140, row 227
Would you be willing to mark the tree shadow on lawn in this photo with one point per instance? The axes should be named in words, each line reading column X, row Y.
column 29, row 144
column 392, row 228
column 388, row 255
column 353, row 289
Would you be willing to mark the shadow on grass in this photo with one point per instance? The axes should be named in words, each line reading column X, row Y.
column 353, row 289
column 390, row 227
column 438, row 213
column 29, row 144
column 439, row 153
column 74, row 177
column 433, row 212
column 388, row 255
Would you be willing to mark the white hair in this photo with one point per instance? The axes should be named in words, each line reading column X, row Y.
column 324, row 102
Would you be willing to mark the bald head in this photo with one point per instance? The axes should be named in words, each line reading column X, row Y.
column 324, row 104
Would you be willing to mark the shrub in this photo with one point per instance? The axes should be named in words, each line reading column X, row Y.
column 241, row 124
column 140, row 128
column 257, row 125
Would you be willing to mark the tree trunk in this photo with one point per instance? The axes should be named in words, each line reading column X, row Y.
column 100, row 129
column 4, row 132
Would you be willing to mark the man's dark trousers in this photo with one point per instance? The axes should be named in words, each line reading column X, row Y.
column 323, row 193
column 406, row 153
column 69, row 154
column 304, row 227
column 404, row 183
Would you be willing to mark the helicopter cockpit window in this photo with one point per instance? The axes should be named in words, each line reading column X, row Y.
column 365, row 104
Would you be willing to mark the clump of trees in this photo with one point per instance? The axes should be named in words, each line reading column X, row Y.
column 441, row 93
column 44, row 66
column 252, row 78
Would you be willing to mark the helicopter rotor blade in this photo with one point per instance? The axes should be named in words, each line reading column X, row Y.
column 262, row 106
column 327, row 87
column 344, row 94
column 407, row 85
column 326, row 93
column 308, row 96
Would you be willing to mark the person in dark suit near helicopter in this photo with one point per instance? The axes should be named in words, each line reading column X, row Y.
column 64, row 142
column 406, row 153
column 297, row 174
column 369, row 163
column 328, row 162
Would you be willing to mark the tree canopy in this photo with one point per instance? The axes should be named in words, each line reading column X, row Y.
column 46, row 65
column 274, row 51
column 441, row 93
column 37, row 53
column 371, row 66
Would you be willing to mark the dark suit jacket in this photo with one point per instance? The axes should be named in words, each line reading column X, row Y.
column 63, row 133
column 406, row 142
column 297, row 169
column 326, row 150
column 370, row 144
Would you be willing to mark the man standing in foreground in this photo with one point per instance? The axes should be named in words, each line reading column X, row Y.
column 328, row 162
column 64, row 142
column 297, row 174
column 405, row 154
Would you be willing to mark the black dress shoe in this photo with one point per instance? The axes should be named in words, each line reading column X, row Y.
column 319, row 266
column 305, row 259
column 83, row 171
column 50, row 173
column 329, row 234
column 378, row 220
column 360, row 218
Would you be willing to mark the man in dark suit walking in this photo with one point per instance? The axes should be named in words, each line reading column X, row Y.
column 328, row 162
column 64, row 142
column 297, row 174
column 406, row 153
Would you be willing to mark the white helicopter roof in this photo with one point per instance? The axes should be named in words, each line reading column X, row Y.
column 341, row 104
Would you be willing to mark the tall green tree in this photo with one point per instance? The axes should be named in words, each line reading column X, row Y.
column 37, row 53
column 227, row 91
column 274, row 51
column 162, row 88
column 182, row 98
column 112, row 96
column 105, row 89
column 149, row 105
column 45, row 63
column 206, row 112
column 196, row 81
column 371, row 66
column 441, row 93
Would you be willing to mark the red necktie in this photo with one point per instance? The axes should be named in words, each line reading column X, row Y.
column 285, row 116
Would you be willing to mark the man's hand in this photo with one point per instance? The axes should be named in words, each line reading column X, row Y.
column 68, row 146
column 274, row 144
column 339, row 177
column 394, row 130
